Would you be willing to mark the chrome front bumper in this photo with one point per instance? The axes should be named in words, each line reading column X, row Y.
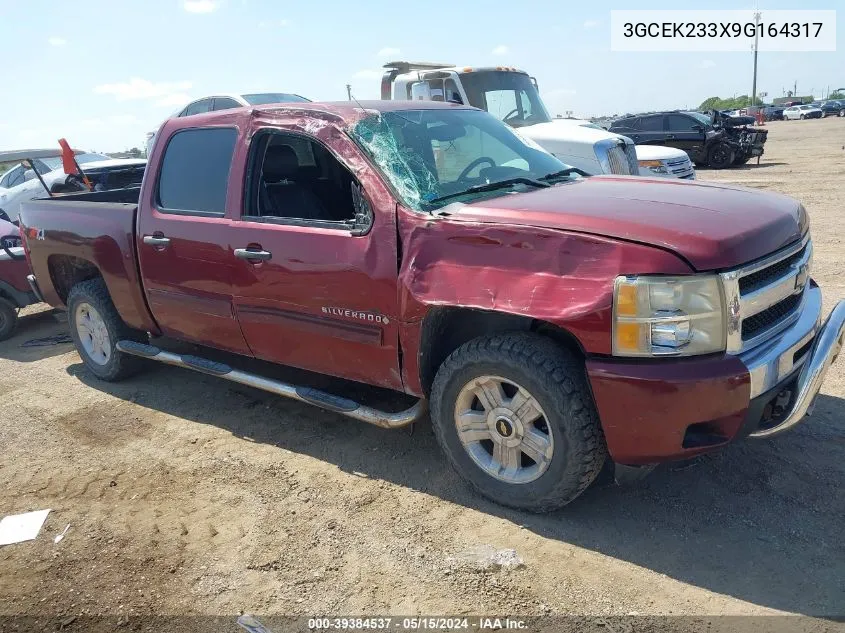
column 773, row 362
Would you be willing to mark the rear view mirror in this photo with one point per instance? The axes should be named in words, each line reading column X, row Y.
column 447, row 132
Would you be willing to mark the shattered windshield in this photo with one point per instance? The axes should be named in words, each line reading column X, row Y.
column 509, row 96
column 702, row 118
column 432, row 154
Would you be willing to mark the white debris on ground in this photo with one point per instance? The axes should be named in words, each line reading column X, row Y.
column 487, row 558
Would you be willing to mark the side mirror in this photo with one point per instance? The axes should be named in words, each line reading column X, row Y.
column 363, row 221
column 697, row 127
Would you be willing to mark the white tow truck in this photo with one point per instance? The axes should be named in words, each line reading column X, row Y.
column 513, row 96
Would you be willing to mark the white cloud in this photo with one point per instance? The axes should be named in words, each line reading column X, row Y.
column 137, row 88
column 368, row 74
column 387, row 51
column 57, row 41
column 707, row 63
column 591, row 24
column 501, row 49
column 201, row 6
column 173, row 100
column 266, row 24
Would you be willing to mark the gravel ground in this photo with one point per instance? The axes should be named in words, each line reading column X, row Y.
column 186, row 495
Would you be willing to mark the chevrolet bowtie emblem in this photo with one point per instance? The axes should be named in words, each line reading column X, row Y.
column 802, row 276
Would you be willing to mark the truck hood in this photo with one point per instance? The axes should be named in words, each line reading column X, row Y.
column 659, row 152
column 712, row 226
column 578, row 140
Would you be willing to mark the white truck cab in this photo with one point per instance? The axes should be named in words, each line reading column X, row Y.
column 513, row 96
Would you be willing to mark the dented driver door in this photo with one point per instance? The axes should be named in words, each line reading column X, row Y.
column 312, row 293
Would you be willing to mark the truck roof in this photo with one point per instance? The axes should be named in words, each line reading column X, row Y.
column 348, row 112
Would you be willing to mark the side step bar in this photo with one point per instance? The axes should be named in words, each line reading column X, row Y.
column 316, row 397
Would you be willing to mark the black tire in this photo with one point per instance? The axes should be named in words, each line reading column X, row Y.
column 119, row 365
column 802, row 117
column 8, row 318
column 720, row 156
column 842, row 112
column 557, row 380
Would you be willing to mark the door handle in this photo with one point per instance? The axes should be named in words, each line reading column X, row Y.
column 249, row 254
column 157, row 241
column 670, row 136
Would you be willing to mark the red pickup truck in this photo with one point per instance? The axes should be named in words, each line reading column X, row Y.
column 547, row 320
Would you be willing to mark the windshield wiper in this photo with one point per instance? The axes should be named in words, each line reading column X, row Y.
column 564, row 172
column 492, row 186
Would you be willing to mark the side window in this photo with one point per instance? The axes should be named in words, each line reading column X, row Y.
column 651, row 123
column 295, row 180
column 194, row 172
column 198, row 108
column 16, row 177
column 452, row 92
column 225, row 103
column 679, row 123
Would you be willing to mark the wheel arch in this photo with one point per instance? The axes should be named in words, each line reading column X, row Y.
column 68, row 270
column 445, row 329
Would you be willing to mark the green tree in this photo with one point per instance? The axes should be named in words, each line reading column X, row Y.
column 837, row 95
column 732, row 103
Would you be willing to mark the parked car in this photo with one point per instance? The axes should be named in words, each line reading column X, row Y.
column 715, row 140
column 545, row 319
column 15, row 291
column 773, row 113
column 659, row 161
column 102, row 171
column 832, row 108
column 227, row 102
column 802, row 112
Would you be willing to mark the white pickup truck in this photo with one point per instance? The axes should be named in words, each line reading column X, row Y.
column 512, row 95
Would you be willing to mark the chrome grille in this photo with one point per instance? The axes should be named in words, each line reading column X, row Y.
column 618, row 160
column 765, row 297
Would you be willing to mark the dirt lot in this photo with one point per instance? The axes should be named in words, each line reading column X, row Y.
column 187, row 495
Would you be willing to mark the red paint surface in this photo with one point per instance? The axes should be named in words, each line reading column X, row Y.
column 550, row 255
column 646, row 407
column 711, row 225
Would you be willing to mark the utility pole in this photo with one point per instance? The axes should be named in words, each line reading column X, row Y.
column 795, row 89
column 756, row 41
column 349, row 92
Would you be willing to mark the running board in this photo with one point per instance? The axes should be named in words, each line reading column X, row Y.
column 324, row 400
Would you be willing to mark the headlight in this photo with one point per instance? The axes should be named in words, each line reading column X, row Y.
column 668, row 316
column 654, row 165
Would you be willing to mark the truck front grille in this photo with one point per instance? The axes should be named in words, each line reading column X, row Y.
column 765, row 297
column 618, row 160
column 770, row 317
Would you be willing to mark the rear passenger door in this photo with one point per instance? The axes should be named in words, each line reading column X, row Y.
column 183, row 237
column 648, row 130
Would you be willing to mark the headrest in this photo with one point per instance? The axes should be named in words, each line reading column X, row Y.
column 280, row 162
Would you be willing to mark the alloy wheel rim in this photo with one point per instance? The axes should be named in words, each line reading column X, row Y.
column 93, row 333
column 504, row 429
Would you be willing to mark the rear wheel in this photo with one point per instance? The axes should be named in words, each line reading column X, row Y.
column 8, row 318
column 720, row 156
column 96, row 327
column 801, row 117
column 515, row 417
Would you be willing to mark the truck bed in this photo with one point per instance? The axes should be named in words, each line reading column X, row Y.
column 87, row 233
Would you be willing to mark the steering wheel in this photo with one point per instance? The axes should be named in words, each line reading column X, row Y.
column 478, row 161
column 510, row 114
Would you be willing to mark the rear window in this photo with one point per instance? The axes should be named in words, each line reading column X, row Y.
column 195, row 171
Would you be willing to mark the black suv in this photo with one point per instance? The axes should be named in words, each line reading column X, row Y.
column 714, row 140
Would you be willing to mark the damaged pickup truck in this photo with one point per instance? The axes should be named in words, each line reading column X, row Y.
column 546, row 320
column 714, row 140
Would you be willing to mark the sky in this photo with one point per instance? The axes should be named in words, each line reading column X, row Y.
column 102, row 73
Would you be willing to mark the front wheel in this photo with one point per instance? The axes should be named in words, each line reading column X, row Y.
column 96, row 328
column 802, row 117
column 515, row 418
column 720, row 156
